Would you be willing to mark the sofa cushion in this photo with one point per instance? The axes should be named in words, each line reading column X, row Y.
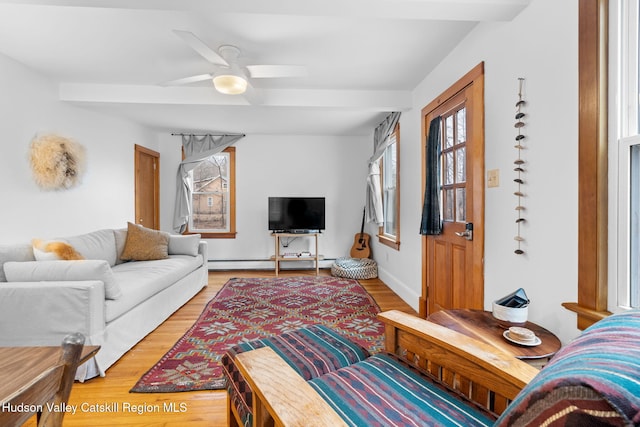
column 36, row 271
column 54, row 250
column 184, row 244
column 595, row 380
column 385, row 391
column 143, row 279
column 145, row 244
column 100, row 244
column 14, row 253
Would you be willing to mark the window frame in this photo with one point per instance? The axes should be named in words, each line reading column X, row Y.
column 393, row 241
column 593, row 180
column 231, row 234
column 625, row 135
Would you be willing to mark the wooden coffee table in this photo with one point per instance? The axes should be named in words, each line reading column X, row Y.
column 482, row 326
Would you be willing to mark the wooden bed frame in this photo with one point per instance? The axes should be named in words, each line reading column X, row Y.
column 482, row 373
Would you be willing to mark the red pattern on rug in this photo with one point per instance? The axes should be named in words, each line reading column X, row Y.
column 248, row 309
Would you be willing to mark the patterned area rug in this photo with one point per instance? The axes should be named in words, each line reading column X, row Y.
column 247, row 309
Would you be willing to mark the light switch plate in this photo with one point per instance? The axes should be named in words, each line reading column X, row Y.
column 493, row 178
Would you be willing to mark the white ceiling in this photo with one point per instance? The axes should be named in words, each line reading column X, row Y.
column 363, row 57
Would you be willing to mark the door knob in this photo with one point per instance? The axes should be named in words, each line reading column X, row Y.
column 467, row 233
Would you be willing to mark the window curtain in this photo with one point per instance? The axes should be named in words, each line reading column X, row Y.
column 431, row 222
column 196, row 149
column 374, row 191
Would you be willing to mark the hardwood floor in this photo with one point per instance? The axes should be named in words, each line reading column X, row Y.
column 107, row 401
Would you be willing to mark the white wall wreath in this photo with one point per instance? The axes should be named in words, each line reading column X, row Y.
column 57, row 163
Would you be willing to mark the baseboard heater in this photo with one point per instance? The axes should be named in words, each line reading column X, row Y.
column 265, row 264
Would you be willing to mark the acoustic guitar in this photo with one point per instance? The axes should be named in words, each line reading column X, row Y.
column 361, row 248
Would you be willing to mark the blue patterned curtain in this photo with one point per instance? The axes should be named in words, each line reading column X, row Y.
column 431, row 221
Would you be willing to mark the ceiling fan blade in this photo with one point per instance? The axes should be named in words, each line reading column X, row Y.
column 187, row 80
column 253, row 95
column 274, row 71
column 200, row 47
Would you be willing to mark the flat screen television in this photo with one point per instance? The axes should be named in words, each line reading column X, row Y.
column 296, row 214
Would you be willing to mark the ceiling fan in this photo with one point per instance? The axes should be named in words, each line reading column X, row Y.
column 229, row 77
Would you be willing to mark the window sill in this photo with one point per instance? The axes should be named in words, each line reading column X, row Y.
column 586, row 316
column 389, row 242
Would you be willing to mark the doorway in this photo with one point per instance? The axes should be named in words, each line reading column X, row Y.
column 147, row 187
column 452, row 262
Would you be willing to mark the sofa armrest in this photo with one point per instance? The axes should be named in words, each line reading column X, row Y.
column 43, row 313
column 480, row 372
column 203, row 250
column 446, row 354
column 281, row 394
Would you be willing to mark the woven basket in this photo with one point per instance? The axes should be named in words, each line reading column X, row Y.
column 355, row 268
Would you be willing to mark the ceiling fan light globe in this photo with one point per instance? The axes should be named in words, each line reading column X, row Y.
column 230, row 84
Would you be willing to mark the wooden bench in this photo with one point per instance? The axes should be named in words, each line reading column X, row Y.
column 594, row 380
column 482, row 374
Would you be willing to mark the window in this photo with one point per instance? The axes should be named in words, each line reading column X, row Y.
column 607, row 276
column 389, row 233
column 626, row 141
column 454, row 175
column 212, row 185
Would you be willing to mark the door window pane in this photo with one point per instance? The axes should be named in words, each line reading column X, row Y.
column 448, row 168
column 461, row 205
column 461, row 173
column 461, row 118
column 448, row 205
column 448, row 140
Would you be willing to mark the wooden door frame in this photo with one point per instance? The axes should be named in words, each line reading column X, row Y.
column 139, row 149
column 475, row 79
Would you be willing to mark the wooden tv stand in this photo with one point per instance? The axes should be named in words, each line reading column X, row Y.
column 279, row 257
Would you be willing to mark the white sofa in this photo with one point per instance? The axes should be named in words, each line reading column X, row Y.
column 113, row 303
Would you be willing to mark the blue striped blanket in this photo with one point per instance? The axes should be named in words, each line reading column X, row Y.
column 595, row 380
column 385, row 391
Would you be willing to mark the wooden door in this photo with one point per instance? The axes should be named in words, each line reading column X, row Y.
column 147, row 187
column 453, row 274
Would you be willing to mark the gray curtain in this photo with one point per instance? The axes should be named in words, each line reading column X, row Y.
column 196, row 149
column 431, row 223
column 381, row 141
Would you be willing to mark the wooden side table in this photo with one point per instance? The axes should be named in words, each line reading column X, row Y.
column 482, row 326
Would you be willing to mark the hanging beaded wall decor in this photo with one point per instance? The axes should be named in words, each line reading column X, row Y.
column 519, row 167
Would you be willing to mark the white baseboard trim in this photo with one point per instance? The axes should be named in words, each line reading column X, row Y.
column 258, row 264
column 407, row 294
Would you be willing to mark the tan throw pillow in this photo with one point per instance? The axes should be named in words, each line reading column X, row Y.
column 145, row 244
column 54, row 250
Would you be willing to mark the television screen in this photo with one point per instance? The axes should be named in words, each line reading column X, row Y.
column 296, row 214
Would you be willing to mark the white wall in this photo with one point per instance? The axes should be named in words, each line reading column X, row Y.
column 283, row 165
column 541, row 46
column 29, row 106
